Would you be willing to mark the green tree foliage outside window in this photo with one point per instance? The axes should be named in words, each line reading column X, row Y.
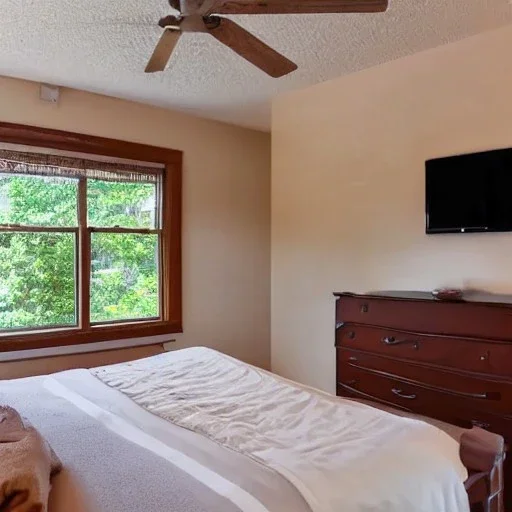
column 38, row 281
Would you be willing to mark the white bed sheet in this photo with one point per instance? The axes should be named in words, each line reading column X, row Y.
column 251, row 487
column 341, row 455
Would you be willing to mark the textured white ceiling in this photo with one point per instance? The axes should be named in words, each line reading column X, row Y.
column 103, row 46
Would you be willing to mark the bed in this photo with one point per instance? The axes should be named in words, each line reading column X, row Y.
column 195, row 430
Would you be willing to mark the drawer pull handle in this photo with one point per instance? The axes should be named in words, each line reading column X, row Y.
column 486, row 356
column 355, row 391
column 391, row 341
column 480, row 424
column 493, row 395
column 401, row 394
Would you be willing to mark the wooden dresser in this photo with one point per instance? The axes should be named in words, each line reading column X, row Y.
column 447, row 360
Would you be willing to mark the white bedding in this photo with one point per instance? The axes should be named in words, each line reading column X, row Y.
column 118, row 457
column 341, row 455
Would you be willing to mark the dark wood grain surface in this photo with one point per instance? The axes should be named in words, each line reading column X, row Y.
column 297, row 6
column 250, row 47
column 487, row 357
column 447, row 360
column 466, row 319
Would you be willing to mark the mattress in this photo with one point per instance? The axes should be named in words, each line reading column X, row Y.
column 195, row 430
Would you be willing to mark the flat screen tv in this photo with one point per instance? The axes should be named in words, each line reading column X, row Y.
column 469, row 193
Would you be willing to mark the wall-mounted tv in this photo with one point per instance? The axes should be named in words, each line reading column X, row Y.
column 469, row 193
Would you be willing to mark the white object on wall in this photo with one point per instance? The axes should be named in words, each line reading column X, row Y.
column 49, row 93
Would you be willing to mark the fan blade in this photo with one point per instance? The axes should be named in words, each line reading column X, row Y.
column 163, row 50
column 297, row 6
column 249, row 47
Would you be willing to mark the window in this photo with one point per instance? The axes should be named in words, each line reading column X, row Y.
column 89, row 247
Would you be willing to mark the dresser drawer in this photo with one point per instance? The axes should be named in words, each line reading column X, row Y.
column 485, row 357
column 436, row 317
column 417, row 398
column 487, row 395
column 466, row 418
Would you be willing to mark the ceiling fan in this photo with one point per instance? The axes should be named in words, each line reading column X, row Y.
column 201, row 16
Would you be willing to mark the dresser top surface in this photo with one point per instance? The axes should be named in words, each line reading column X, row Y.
column 469, row 296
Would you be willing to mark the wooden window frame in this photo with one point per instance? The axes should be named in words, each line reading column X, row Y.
column 170, row 251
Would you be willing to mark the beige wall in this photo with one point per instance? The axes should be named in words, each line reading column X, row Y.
column 348, row 190
column 226, row 201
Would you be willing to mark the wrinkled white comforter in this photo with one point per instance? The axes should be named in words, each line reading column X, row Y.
column 341, row 455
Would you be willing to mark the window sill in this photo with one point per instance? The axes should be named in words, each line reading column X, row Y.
column 74, row 336
column 102, row 346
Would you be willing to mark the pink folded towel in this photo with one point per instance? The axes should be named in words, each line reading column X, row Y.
column 26, row 464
